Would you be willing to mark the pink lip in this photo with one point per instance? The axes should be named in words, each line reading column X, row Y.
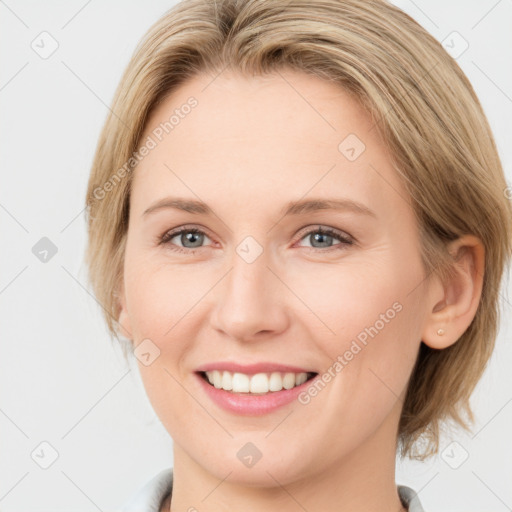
column 251, row 369
column 245, row 404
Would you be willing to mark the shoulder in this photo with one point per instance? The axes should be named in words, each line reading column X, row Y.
column 149, row 497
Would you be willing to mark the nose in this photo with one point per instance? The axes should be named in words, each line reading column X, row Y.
column 250, row 302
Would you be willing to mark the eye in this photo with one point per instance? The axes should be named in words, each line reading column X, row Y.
column 322, row 238
column 189, row 238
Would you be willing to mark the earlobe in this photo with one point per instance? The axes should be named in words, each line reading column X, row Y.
column 453, row 303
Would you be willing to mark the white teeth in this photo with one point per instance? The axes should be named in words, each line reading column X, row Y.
column 216, row 379
column 300, row 378
column 257, row 383
column 275, row 382
column 289, row 380
column 241, row 383
column 227, row 381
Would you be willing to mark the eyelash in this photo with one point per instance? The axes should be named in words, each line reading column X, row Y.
column 345, row 240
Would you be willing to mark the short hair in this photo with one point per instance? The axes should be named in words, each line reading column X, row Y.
column 421, row 103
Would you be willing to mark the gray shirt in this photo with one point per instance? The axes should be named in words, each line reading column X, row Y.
column 149, row 498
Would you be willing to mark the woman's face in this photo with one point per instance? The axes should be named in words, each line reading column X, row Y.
column 262, row 283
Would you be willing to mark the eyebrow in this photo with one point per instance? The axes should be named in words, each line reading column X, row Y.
column 299, row 207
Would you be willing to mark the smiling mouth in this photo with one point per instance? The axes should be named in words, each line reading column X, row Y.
column 255, row 384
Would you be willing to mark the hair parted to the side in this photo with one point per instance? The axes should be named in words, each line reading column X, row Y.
column 422, row 104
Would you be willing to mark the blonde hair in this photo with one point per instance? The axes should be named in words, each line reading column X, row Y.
column 422, row 104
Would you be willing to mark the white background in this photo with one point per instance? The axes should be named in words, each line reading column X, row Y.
column 61, row 380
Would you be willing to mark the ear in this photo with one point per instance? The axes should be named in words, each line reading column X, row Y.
column 123, row 321
column 452, row 304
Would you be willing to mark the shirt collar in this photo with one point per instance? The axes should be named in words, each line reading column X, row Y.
column 149, row 497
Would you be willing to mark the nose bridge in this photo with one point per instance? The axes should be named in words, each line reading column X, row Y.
column 248, row 300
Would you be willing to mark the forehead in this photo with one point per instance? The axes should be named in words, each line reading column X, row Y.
column 292, row 131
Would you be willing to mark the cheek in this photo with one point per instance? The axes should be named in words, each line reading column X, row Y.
column 159, row 297
column 367, row 318
column 345, row 299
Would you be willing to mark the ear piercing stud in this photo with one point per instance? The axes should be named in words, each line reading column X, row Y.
column 440, row 332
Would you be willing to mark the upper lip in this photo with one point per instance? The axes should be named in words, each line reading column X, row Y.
column 263, row 367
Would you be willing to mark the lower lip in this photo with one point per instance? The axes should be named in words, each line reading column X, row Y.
column 252, row 405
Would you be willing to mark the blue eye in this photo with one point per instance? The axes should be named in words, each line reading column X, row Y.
column 193, row 238
column 325, row 237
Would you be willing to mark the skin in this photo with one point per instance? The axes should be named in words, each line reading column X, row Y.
column 249, row 147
